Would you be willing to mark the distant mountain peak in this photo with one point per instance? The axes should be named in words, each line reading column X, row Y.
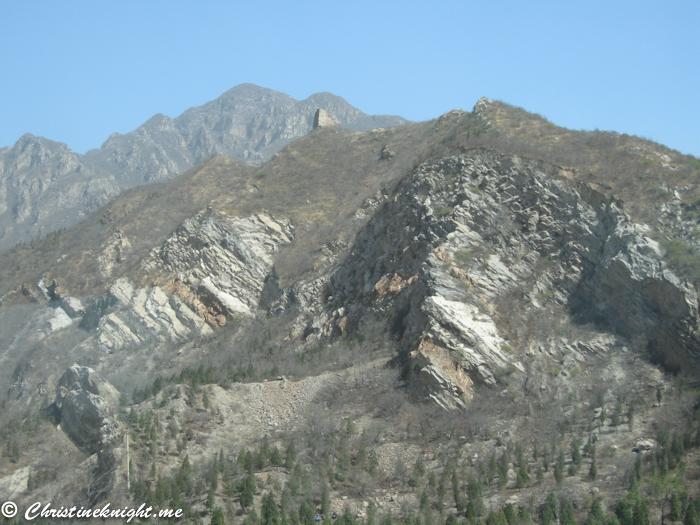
column 247, row 122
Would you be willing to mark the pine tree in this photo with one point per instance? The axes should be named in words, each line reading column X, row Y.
column 596, row 516
column 325, row 500
column 348, row 518
column 593, row 471
column 269, row 512
column 307, row 512
column 623, row 511
column 275, row 457
column 248, row 491
column 559, row 468
column 676, row 507
column 549, row 509
column 524, row 517
column 523, row 478
column 291, row 455
column 217, row 517
column 186, row 468
column 691, row 515
column 576, row 452
column 474, row 494
column 567, row 514
column 640, row 514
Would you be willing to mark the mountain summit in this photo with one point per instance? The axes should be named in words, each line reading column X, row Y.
column 43, row 191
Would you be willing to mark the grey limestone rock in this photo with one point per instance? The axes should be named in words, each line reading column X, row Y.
column 84, row 400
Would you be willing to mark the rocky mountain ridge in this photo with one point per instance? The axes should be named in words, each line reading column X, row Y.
column 343, row 297
column 44, row 186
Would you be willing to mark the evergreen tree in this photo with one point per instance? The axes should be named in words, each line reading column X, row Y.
column 424, row 500
column 540, row 476
column 217, row 517
column 372, row 513
column 549, row 510
column 509, row 513
column 576, row 452
column 269, row 512
column 640, row 514
column 602, row 420
column 676, row 507
column 523, row 478
column 291, row 455
column 559, row 468
column 623, row 511
column 470, row 512
column 691, row 515
column 186, row 468
column 275, row 457
column 348, row 518
column 450, row 520
column 596, row 516
column 474, row 493
column 567, row 514
column 248, row 491
column 524, row 516
column 307, row 512
column 593, row 471
column 496, row 518
column 31, row 483
column 325, row 500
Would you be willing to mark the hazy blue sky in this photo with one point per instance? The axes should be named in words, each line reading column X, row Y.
column 75, row 72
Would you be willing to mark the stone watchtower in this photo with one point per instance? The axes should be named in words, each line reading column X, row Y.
column 322, row 119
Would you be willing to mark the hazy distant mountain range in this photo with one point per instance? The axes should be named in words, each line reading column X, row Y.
column 45, row 186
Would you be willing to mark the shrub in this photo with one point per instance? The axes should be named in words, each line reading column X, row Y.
column 441, row 212
column 682, row 258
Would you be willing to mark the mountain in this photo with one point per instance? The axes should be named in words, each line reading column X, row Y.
column 480, row 316
column 44, row 186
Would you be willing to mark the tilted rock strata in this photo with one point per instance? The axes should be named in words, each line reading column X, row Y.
column 211, row 269
column 482, row 231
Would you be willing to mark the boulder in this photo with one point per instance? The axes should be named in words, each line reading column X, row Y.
column 83, row 404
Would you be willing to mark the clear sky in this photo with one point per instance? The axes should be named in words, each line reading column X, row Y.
column 75, row 71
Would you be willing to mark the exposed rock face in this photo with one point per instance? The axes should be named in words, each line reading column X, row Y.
column 84, row 400
column 215, row 267
column 322, row 119
column 482, row 232
column 44, row 186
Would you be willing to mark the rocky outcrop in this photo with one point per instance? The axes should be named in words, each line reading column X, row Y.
column 323, row 119
column 212, row 269
column 84, row 401
column 496, row 242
